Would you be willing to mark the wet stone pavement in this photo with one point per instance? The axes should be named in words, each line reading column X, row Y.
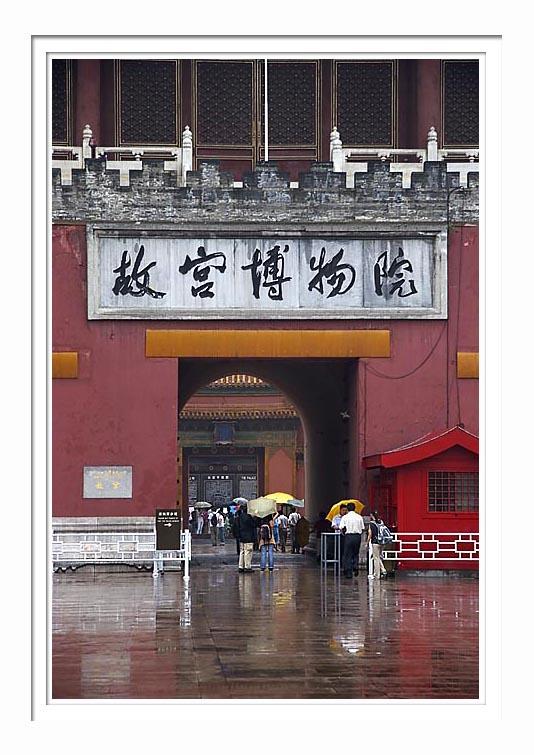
column 287, row 634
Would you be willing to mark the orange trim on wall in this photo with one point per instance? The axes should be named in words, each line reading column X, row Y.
column 467, row 364
column 267, row 343
column 65, row 364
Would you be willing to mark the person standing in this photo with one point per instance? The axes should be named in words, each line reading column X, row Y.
column 200, row 523
column 321, row 525
column 282, row 530
column 235, row 530
column 293, row 521
column 379, row 569
column 335, row 526
column 245, row 534
column 276, row 532
column 213, row 527
column 352, row 526
column 266, row 544
column 220, row 527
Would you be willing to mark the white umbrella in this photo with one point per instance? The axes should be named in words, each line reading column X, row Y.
column 202, row 505
column 296, row 502
column 261, row 507
column 240, row 500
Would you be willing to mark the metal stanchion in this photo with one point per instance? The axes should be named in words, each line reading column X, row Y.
column 335, row 560
column 187, row 554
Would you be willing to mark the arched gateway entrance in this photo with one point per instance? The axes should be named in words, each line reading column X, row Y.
column 321, row 393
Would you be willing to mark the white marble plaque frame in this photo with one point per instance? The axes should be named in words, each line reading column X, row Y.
column 426, row 250
column 107, row 482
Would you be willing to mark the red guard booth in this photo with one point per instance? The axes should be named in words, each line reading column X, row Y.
column 428, row 492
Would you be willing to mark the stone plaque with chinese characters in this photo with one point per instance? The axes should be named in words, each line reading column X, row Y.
column 165, row 277
column 107, row 482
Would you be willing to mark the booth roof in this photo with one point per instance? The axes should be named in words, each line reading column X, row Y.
column 424, row 448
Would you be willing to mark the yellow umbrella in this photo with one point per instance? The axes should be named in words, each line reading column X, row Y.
column 280, row 497
column 334, row 511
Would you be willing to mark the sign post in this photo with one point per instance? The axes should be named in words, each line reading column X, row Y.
column 168, row 529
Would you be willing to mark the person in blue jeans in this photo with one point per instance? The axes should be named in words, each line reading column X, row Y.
column 276, row 533
column 266, row 544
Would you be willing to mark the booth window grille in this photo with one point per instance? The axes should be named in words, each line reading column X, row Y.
column 452, row 492
column 460, row 103
column 148, row 102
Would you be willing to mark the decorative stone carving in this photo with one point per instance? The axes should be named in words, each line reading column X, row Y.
column 432, row 144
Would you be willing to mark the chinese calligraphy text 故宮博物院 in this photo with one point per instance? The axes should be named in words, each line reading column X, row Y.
column 346, row 276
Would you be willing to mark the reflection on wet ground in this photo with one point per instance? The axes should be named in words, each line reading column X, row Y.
column 284, row 634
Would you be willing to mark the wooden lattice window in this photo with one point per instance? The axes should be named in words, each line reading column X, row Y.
column 293, row 95
column 364, row 94
column 224, row 102
column 61, row 102
column 452, row 492
column 148, row 98
column 460, row 103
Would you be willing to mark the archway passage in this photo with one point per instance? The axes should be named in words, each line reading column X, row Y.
column 239, row 436
column 321, row 391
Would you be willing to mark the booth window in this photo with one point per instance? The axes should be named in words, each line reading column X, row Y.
column 452, row 492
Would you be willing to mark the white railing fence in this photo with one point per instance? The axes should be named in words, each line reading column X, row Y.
column 137, row 548
column 180, row 158
column 352, row 160
column 413, row 547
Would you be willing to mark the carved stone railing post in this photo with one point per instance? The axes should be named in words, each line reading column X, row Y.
column 432, row 145
column 336, row 151
column 182, row 161
column 187, row 151
column 87, row 136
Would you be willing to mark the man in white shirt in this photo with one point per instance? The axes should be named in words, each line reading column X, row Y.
column 220, row 527
column 293, row 521
column 335, row 526
column 352, row 526
column 283, row 524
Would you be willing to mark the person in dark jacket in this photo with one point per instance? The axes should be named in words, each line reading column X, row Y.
column 235, row 532
column 320, row 526
column 246, row 534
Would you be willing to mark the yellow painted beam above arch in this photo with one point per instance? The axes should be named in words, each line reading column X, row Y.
column 65, row 364
column 467, row 364
column 281, row 344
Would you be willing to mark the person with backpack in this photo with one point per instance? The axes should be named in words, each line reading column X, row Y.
column 378, row 535
column 266, row 544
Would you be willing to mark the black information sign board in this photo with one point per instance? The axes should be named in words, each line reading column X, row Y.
column 167, row 530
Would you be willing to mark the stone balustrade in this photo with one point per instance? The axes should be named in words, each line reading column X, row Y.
column 351, row 161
